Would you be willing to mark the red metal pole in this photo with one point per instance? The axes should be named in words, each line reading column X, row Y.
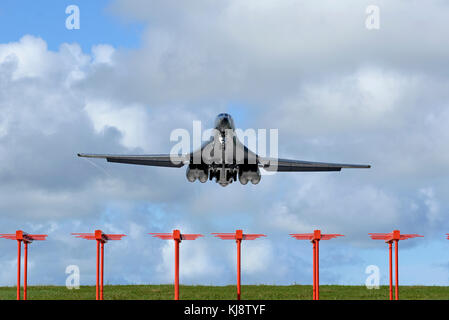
column 97, row 292
column 18, row 268
column 390, row 249
column 177, row 269
column 314, row 269
column 102, row 270
column 239, row 242
column 318, row 269
column 25, row 269
column 397, row 270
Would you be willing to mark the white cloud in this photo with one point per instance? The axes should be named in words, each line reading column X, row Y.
column 432, row 204
column 29, row 55
column 196, row 262
column 132, row 121
column 257, row 257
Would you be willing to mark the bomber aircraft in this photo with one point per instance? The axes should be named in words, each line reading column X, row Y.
column 224, row 158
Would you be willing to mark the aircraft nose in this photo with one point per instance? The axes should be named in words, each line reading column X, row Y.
column 225, row 123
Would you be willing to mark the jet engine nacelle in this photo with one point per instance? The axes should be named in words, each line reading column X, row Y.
column 196, row 173
column 249, row 175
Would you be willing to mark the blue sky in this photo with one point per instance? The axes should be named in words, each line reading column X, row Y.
column 136, row 70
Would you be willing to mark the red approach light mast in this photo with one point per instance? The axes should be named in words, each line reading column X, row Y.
column 26, row 238
column 238, row 236
column 389, row 238
column 177, row 237
column 101, row 239
column 315, row 238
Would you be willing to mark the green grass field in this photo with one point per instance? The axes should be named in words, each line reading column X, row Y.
column 259, row 292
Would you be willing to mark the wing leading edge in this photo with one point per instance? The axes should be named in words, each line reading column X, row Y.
column 156, row 160
column 286, row 165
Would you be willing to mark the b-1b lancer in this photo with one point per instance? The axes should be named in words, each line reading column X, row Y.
column 224, row 158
